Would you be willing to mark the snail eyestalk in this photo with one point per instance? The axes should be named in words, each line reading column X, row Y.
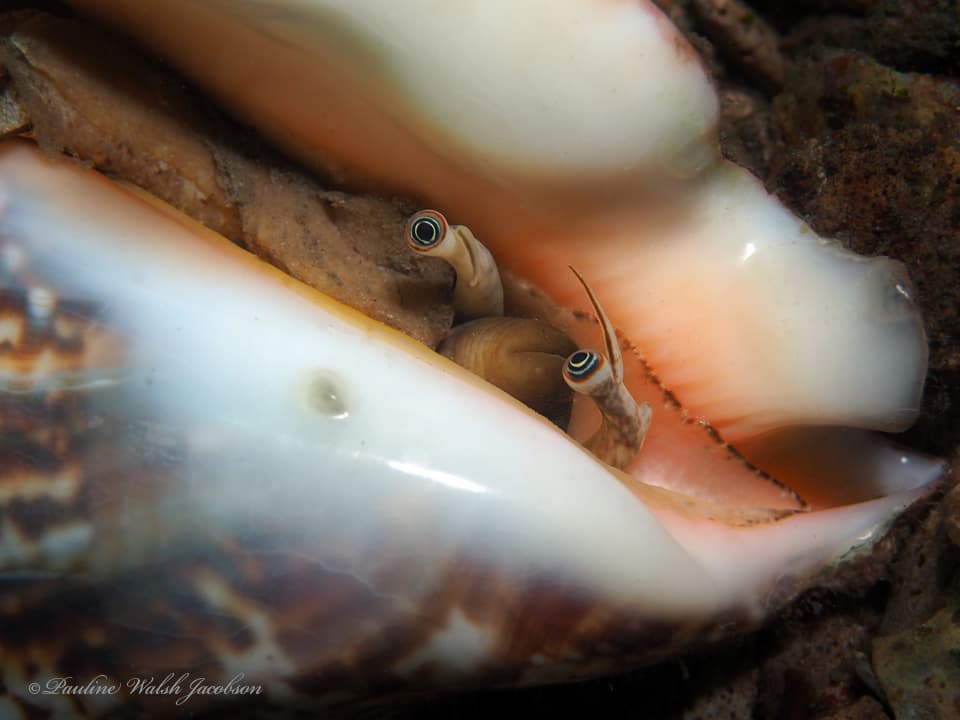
column 478, row 292
column 624, row 423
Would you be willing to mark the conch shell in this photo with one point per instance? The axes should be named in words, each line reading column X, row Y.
column 209, row 468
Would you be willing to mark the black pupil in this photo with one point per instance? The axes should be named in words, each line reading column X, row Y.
column 582, row 363
column 426, row 232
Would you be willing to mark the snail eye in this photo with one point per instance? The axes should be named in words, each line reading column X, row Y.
column 426, row 229
column 582, row 365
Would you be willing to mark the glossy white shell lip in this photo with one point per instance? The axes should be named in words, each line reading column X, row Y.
column 754, row 321
column 226, row 354
column 566, row 93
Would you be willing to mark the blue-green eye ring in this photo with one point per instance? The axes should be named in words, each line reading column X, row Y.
column 426, row 229
column 582, row 365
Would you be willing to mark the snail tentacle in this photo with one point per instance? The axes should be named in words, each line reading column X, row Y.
column 479, row 291
column 624, row 423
